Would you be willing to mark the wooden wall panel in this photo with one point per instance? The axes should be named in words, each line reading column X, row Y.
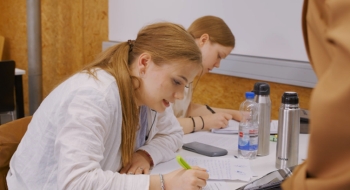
column 62, row 41
column 95, row 26
column 13, row 26
column 72, row 35
column 73, row 32
column 228, row 92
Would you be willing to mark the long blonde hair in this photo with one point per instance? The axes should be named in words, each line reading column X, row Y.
column 215, row 27
column 165, row 42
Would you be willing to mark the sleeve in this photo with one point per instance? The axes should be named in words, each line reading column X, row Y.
column 328, row 165
column 84, row 121
column 167, row 138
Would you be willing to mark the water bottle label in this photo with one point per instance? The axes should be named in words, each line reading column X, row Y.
column 243, row 141
column 253, row 142
column 247, row 142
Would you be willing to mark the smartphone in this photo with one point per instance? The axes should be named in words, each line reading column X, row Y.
column 304, row 115
column 204, row 149
column 272, row 180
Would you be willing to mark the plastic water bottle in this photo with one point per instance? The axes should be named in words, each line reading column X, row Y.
column 248, row 128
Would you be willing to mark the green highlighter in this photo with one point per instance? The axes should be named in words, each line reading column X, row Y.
column 182, row 162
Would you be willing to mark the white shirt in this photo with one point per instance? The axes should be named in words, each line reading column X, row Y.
column 74, row 139
column 180, row 107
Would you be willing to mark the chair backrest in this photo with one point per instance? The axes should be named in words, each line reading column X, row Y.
column 11, row 134
column 2, row 44
column 7, row 86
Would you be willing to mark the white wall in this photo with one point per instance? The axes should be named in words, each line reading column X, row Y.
column 265, row 69
column 263, row 28
column 269, row 41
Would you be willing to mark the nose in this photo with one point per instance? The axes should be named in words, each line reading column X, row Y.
column 217, row 64
column 179, row 94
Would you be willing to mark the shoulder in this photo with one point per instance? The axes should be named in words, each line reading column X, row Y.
column 101, row 89
column 103, row 84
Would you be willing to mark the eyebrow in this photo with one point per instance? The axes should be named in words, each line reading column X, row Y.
column 224, row 55
column 183, row 78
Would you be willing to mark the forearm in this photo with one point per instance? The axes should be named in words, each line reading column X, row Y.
column 165, row 138
column 98, row 179
column 162, row 148
column 154, row 183
column 190, row 125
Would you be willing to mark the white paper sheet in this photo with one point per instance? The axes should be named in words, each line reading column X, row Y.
column 219, row 168
column 223, row 168
column 216, row 185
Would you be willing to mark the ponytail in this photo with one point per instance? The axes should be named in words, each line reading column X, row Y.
column 115, row 61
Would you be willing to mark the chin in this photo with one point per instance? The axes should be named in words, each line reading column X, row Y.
column 160, row 107
column 159, row 110
column 205, row 72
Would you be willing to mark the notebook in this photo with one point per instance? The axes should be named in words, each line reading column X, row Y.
column 232, row 128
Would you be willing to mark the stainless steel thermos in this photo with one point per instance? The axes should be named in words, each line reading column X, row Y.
column 287, row 152
column 262, row 97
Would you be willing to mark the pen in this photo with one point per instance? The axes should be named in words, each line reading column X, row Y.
column 209, row 108
column 182, row 162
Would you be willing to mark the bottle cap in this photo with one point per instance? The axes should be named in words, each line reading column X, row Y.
column 261, row 88
column 290, row 98
column 249, row 95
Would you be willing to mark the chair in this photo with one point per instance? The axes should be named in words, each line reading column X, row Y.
column 7, row 88
column 2, row 44
column 11, row 134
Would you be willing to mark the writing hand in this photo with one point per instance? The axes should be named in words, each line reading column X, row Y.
column 191, row 179
column 216, row 121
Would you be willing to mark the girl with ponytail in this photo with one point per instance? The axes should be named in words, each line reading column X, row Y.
column 113, row 119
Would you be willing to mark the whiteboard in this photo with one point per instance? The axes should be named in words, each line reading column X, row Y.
column 262, row 28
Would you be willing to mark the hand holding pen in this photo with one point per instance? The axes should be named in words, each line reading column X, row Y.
column 209, row 108
column 216, row 121
column 189, row 177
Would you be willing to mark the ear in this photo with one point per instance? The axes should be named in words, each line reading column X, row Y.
column 203, row 39
column 143, row 63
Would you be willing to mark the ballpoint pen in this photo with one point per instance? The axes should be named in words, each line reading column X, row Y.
column 182, row 162
column 209, row 108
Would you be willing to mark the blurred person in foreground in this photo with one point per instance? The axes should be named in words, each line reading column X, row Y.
column 326, row 28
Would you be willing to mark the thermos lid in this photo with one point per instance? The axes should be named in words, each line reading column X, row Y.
column 261, row 88
column 290, row 98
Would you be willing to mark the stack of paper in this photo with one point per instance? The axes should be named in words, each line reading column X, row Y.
column 232, row 127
